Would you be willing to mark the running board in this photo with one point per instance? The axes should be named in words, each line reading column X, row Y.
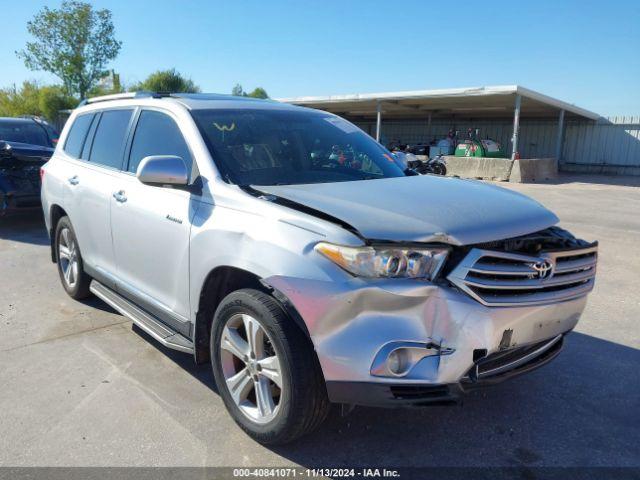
column 142, row 319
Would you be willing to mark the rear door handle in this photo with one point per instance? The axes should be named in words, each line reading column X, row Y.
column 74, row 180
column 120, row 196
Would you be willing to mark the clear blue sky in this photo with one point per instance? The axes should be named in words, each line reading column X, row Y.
column 584, row 52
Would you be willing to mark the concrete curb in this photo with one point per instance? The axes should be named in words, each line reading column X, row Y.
column 479, row 167
column 502, row 169
column 526, row 170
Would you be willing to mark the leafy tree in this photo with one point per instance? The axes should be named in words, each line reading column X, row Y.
column 237, row 91
column 32, row 99
column 14, row 102
column 74, row 42
column 52, row 99
column 167, row 81
column 257, row 92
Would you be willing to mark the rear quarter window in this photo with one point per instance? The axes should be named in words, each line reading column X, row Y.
column 78, row 134
column 110, row 137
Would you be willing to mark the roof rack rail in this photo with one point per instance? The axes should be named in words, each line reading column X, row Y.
column 123, row 96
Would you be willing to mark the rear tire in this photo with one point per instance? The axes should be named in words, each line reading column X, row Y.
column 282, row 400
column 69, row 259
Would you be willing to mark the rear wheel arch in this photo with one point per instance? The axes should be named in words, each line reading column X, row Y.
column 75, row 280
column 56, row 212
column 219, row 283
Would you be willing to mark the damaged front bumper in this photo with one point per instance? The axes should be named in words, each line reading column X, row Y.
column 450, row 342
column 19, row 191
column 488, row 371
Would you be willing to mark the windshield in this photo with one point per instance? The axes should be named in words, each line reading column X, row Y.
column 23, row 132
column 280, row 147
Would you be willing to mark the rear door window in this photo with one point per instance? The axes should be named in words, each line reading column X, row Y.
column 110, row 137
column 157, row 134
column 77, row 134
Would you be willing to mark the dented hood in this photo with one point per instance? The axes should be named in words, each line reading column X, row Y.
column 423, row 208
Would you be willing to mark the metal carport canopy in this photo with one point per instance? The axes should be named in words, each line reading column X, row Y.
column 476, row 102
column 497, row 101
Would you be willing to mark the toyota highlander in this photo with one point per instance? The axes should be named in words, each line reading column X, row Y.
column 295, row 254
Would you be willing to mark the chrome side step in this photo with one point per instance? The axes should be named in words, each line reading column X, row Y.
column 142, row 319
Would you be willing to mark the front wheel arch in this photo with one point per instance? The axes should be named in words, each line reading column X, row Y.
column 222, row 281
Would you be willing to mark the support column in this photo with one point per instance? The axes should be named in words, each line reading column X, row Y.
column 378, row 121
column 516, row 127
column 429, row 128
column 559, row 138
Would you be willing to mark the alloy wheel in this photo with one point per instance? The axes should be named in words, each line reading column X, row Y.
column 68, row 255
column 251, row 368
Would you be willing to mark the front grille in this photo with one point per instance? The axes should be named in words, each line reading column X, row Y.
column 515, row 360
column 28, row 182
column 499, row 278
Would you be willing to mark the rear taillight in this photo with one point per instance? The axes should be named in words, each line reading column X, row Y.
column 41, row 174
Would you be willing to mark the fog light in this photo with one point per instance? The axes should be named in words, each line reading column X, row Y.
column 398, row 361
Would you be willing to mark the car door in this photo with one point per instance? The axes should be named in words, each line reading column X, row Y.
column 151, row 226
column 90, row 179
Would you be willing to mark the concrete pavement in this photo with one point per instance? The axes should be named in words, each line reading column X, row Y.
column 80, row 387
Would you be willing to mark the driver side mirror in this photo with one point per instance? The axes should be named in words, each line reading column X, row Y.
column 163, row 170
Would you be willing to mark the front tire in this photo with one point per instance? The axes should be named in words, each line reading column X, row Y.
column 69, row 259
column 265, row 369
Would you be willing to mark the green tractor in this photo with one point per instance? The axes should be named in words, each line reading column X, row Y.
column 474, row 147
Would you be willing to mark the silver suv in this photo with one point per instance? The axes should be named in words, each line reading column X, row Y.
column 290, row 250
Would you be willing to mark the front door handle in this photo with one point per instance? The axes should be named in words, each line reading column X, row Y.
column 120, row 196
column 74, row 180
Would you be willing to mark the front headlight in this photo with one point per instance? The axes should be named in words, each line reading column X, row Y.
column 386, row 261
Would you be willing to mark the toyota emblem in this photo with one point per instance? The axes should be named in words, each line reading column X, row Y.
column 544, row 269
